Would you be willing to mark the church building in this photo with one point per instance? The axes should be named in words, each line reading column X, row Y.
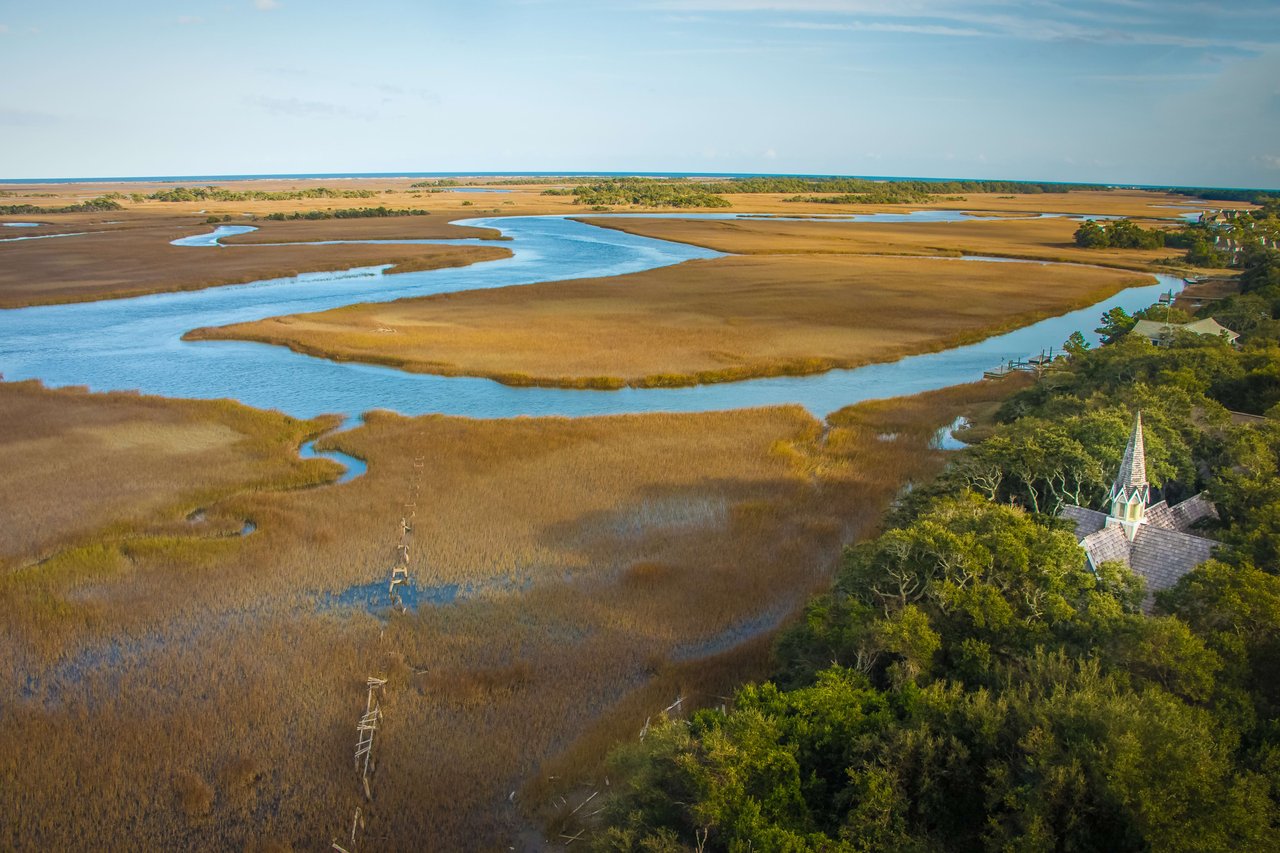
column 1152, row 539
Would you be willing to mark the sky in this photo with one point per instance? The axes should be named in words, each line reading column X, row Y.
column 1182, row 92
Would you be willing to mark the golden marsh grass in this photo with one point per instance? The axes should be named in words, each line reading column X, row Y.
column 1035, row 239
column 171, row 689
column 73, row 464
column 703, row 321
column 126, row 252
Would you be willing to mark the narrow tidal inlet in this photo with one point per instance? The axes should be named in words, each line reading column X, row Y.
column 137, row 343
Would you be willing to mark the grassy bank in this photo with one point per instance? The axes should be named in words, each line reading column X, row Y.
column 719, row 320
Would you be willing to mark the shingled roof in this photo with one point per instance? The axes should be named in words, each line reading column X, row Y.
column 1157, row 544
column 1133, row 467
column 1107, row 545
column 1159, row 515
column 1162, row 557
column 1086, row 520
column 1192, row 510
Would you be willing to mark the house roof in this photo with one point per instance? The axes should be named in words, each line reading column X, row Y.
column 1164, row 556
column 1162, row 550
column 1179, row 517
column 1107, row 544
column 1210, row 326
column 1191, row 510
column 1086, row 520
column 1154, row 329
column 1159, row 515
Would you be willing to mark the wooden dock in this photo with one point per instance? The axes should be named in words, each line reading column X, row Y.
column 1032, row 364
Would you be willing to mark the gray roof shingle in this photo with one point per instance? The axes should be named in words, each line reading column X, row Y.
column 1162, row 557
column 1086, row 520
column 1192, row 510
column 1109, row 543
column 1159, row 515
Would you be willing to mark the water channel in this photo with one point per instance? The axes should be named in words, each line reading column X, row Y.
column 136, row 343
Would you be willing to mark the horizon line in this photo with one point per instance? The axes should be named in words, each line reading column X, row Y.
column 251, row 176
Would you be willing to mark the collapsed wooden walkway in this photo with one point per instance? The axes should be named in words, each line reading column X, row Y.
column 370, row 721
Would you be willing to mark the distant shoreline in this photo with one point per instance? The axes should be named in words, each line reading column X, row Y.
column 340, row 176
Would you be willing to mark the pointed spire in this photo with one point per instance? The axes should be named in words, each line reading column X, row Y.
column 1130, row 493
column 1133, row 468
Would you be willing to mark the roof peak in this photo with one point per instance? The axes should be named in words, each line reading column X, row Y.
column 1133, row 467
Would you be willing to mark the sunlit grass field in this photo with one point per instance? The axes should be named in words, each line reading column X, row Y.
column 718, row 320
column 1000, row 236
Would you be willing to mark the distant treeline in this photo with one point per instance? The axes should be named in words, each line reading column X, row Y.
column 515, row 182
column 860, row 186
column 646, row 192
column 659, row 192
column 1217, row 241
column 887, row 194
column 346, row 213
column 219, row 194
column 443, row 183
column 1250, row 196
column 1121, row 234
column 98, row 204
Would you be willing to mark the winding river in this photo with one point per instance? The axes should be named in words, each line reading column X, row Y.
column 136, row 343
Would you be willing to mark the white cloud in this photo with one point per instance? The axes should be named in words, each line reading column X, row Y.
column 4, row 29
column 266, row 5
column 1171, row 77
column 1040, row 20
column 26, row 118
column 305, row 108
column 861, row 26
column 190, row 20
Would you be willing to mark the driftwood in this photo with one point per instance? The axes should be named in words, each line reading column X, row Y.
column 584, row 802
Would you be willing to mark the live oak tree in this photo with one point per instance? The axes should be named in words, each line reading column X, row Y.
column 968, row 684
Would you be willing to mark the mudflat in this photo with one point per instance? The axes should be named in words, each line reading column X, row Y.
column 118, row 255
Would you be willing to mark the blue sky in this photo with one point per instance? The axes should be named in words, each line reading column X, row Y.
column 1129, row 91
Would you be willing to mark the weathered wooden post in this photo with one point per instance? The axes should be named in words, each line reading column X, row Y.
column 365, row 730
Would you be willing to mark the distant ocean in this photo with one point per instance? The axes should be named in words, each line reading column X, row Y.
column 340, row 176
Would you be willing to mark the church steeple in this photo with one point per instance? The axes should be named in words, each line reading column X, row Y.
column 1130, row 493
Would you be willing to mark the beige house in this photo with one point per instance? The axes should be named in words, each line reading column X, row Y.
column 1160, row 333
